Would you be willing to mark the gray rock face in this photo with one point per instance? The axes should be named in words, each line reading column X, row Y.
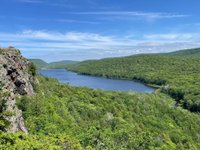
column 15, row 78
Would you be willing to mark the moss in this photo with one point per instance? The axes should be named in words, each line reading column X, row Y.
column 32, row 69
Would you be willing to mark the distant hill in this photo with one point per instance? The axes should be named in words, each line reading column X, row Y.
column 187, row 52
column 61, row 64
column 178, row 72
column 40, row 64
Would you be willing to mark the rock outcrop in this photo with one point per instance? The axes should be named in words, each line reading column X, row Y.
column 16, row 79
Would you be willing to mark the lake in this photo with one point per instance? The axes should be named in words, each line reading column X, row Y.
column 75, row 79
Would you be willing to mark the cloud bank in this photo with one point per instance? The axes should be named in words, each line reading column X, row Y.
column 83, row 45
column 123, row 15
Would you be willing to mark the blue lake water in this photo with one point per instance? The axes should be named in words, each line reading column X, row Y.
column 75, row 79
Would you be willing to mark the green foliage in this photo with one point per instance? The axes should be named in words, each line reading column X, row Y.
column 176, row 75
column 39, row 63
column 20, row 141
column 59, row 116
column 1, row 50
column 109, row 120
column 32, row 69
column 3, row 122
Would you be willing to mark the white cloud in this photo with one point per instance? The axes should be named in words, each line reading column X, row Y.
column 172, row 36
column 79, row 45
column 76, row 21
column 54, row 36
column 131, row 14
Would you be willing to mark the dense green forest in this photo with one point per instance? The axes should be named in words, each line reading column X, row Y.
column 187, row 52
column 41, row 64
column 176, row 73
column 60, row 116
column 108, row 120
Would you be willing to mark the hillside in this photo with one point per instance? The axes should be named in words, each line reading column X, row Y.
column 18, row 79
column 110, row 120
column 176, row 75
column 40, row 64
column 60, row 64
column 59, row 116
column 187, row 52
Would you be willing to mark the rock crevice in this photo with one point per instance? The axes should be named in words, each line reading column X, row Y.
column 16, row 79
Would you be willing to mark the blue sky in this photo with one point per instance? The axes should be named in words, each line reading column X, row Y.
column 91, row 29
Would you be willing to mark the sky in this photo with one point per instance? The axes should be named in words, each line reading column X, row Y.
column 55, row 30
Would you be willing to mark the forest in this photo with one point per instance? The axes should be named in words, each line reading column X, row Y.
column 94, row 119
column 176, row 74
column 60, row 116
column 99, row 74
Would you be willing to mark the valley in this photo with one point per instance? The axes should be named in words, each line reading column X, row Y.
column 59, row 115
column 176, row 74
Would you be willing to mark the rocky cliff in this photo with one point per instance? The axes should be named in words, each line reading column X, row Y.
column 16, row 79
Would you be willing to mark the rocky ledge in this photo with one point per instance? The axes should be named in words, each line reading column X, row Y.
column 16, row 79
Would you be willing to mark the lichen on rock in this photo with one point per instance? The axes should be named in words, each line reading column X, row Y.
column 15, row 79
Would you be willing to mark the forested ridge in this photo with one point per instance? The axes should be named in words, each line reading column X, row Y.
column 41, row 64
column 109, row 120
column 60, row 116
column 176, row 73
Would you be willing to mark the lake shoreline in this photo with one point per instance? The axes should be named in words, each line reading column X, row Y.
column 156, row 87
column 96, row 82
